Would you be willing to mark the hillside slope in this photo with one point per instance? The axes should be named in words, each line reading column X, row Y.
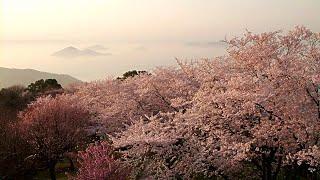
column 10, row 77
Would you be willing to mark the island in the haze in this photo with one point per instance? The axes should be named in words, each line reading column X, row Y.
column 97, row 47
column 71, row 52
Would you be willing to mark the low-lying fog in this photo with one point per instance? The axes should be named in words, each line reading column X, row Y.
column 104, row 59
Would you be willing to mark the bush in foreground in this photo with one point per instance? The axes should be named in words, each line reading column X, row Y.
column 98, row 162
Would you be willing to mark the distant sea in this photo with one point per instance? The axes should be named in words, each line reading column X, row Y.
column 124, row 56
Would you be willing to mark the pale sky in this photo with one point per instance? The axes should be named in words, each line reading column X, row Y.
column 150, row 20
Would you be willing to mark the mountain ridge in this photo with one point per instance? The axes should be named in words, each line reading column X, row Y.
column 14, row 76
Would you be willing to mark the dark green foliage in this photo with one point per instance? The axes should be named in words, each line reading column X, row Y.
column 13, row 149
column 42, row 86
column 13, row 100
column 132, row 73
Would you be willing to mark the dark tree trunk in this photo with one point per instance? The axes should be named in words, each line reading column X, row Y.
column 52, row 170
column 72, row 167
column 267, row 170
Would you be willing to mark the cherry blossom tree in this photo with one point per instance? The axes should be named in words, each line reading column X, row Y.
column 252, row 113
column 266, row 106
column 98, row 162
column 118, row 103
column 54, row 126
column 256, row 112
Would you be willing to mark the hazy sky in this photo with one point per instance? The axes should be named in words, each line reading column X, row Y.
column 150, row 20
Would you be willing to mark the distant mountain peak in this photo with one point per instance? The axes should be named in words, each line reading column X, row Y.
column 71, row 48
column 70, row 52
